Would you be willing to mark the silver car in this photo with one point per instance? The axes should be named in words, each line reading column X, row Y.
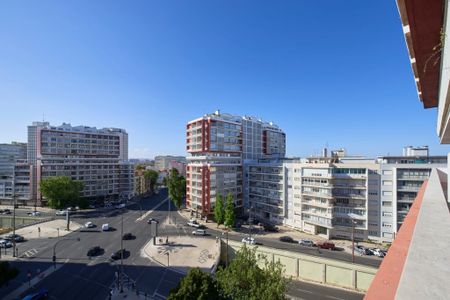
column 307, row 243
column 5, row 244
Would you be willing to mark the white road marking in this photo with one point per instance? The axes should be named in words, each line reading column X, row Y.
column 337, row 298
column 144, row 216
column 305, row 291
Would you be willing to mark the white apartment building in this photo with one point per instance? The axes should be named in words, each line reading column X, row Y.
column 97, row 157
column 401, row 179
column 218, row 145
column 316, row 195
column 324, row 195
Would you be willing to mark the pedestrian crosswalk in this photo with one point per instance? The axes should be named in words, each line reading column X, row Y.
column 29, row 253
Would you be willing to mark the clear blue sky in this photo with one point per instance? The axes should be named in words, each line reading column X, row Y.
column 333, row 72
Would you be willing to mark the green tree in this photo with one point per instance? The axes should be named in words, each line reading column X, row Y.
column 7, row 273
column 196, row 285
column 62, row 191
column 151, row 176
column 140, row 167
column 245, row 279
column 177, row 187
column 218, row 210
column 229, row 211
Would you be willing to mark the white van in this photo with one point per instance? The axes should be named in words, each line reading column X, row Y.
column 105, row 227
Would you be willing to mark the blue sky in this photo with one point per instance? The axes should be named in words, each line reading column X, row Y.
column 327, row 72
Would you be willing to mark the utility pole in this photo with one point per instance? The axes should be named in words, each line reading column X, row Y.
column 14, row 213
column 121, row 257
column 353, row 240
column 226, row 252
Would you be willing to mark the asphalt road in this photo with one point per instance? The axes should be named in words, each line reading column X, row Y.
column 310, row 291
column 84, row 278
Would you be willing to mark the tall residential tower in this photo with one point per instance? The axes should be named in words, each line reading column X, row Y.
column 219, row 145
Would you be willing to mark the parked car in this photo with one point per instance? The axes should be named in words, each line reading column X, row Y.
column 61, row 212
column 152, row 220
column 249, row 240
column 116, row 255
column 360, row 250
column 105, row 227
column 199, row 232
column 5, row 244
column 92, row 206
column 287, row 239
column 127, row 236
column 307, row 243
column 18, row 238
column 5, row 211
column 119, row 206
column 193, row 224
column 34, row 213
column 270, row 228
column 89, row 225
column 378, row 252
column 42, row 294
column 326, row 245
column 94, row 251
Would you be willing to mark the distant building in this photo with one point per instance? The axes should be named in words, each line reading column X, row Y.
column 14, row 173
column 180, row 166
column 97, row 157
column 163, row 162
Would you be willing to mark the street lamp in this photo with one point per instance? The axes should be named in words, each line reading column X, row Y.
column 352, row 217
column 226, row 250
column 156, row 230
column 54, row 249
column 14, row 212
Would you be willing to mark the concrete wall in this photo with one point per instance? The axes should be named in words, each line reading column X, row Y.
column 300, row 266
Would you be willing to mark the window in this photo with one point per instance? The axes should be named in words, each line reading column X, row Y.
column 387, row 172
column 387, row 182
column 387, row 214
column 387, row 193
column 387, row 225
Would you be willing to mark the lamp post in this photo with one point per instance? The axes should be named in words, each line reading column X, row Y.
column 226, row 250
column 14, row 213
column 54, row 249
column 352, row 217
column 167, row 253
column 121, row 255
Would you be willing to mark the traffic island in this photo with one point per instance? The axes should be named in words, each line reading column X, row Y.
column 184, row 253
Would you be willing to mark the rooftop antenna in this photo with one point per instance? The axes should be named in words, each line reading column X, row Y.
column 43, row 119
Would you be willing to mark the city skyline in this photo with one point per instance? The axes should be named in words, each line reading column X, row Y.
column 327, row 73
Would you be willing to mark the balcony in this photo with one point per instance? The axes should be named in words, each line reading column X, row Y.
column 417, row 262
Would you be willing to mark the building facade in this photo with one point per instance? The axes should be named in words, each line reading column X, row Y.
column 401, row 179
column 219, row 145
column 327, row 196
column 316, row 195
column 14, row 173
column 164, row 162
column 97, row 157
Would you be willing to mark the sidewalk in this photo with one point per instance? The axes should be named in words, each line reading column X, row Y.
column 184, row 253
column 282, row 231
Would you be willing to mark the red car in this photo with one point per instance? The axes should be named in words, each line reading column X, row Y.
column 326, row 245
